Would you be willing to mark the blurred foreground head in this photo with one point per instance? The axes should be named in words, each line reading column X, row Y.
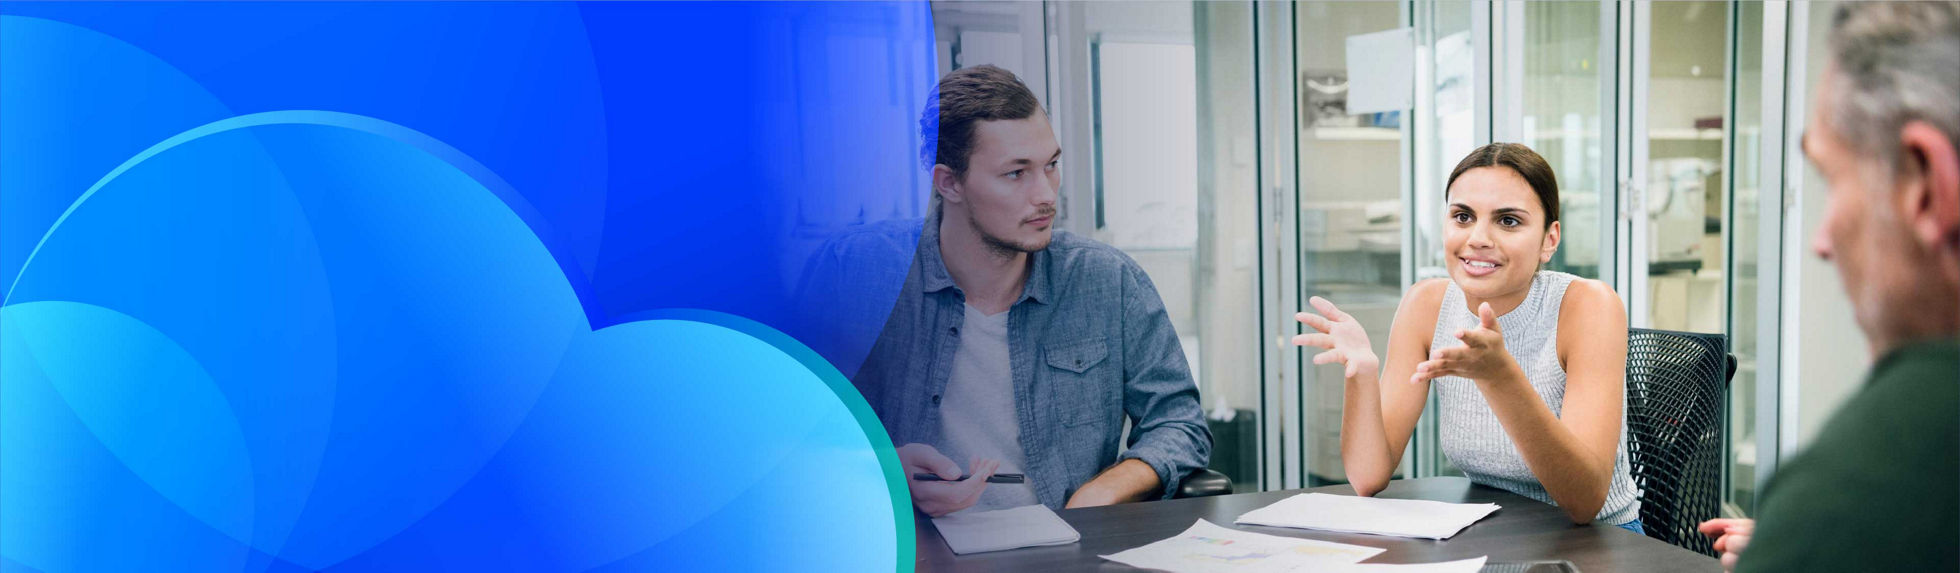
column 1882, row 134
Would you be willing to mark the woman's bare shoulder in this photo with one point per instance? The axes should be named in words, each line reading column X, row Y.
column 1428, row 293
column 1591, row 310
column 1590, row 300
column 1422, row 303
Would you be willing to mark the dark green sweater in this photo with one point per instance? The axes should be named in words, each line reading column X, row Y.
column 1879, row 489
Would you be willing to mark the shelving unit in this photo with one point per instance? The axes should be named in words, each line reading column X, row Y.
column 1356, row 133
column 1656, row 134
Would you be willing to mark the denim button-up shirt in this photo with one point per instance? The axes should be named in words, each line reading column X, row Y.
column 1089, row 345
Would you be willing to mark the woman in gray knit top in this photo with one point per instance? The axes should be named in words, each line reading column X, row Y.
column 1528, row 365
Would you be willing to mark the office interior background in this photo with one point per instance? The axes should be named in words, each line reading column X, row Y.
column 1212, row 142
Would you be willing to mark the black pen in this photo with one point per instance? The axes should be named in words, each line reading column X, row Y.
column 996, row 478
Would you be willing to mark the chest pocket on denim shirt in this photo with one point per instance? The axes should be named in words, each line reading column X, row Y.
column 1082, row 385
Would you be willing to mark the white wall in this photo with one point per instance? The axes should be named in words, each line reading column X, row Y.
column 1149, row 145
column 1830, row 351
column 1825, row 355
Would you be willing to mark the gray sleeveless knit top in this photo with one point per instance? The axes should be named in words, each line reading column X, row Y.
column 1471, row 436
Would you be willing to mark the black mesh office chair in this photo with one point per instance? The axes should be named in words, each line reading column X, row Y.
column 1234, row 447
column 1676, row 382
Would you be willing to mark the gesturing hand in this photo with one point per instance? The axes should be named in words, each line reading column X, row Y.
column 1731, row 537
column 1482, row 356
column 938, row 498
column 1341, row 335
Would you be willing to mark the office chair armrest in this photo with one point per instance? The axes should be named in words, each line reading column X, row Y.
column 1203, row 482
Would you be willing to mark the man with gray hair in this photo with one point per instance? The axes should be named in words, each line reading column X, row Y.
column 1879, row 488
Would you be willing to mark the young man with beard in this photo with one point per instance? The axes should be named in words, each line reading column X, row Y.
column 1015, row 347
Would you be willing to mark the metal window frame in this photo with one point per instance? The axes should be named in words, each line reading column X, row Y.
column 1780, row 393
column 1631, row 251
column 1276, row 115
column 1612, row 45
column 1770, row 199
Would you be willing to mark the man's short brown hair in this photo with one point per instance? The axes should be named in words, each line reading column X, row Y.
column 960, row 102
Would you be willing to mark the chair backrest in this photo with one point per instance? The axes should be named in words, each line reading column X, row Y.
column 1676, row 382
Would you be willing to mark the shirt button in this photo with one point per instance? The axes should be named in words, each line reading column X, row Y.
column 955, row 330
column 935, row 399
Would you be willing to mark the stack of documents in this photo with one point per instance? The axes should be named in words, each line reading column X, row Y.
column 1462, row 566
column 1353, row 514
column 1208, row 548
column 983, row 531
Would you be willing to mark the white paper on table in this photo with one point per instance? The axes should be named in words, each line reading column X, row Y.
column 1373, row 515
column 1208, row 548
column 998, row 530
column 1381, row 71
column 1463, row 566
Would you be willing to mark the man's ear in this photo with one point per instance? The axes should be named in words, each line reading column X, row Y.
column 1929, row 185
column 1551, row 244
column 947, row 184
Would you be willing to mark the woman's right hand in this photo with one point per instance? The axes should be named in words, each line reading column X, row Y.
column 1345, row 341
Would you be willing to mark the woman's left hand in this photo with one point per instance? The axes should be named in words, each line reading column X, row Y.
column 1482, row 356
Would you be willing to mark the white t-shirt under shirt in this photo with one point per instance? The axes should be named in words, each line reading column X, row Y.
column 977, row 411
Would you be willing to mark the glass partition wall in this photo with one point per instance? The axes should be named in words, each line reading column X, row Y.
column 1450, row 118
column 1157, row 125
column 1685, row 200
column 1351, row 213
column 1745, row 182
column 1560, row 117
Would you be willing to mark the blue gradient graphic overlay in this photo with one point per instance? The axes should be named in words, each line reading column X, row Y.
column 465, row 287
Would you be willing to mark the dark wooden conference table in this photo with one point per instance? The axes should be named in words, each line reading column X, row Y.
column 1522, row 530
